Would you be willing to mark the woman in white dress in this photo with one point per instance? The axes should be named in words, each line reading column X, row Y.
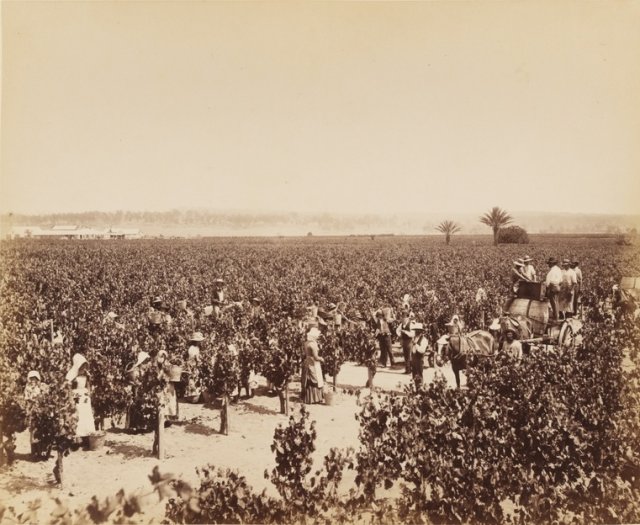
column 79, row 378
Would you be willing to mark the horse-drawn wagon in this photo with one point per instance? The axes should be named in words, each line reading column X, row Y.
column 528, row 315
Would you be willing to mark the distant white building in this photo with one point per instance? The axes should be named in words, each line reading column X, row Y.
column 73, row 232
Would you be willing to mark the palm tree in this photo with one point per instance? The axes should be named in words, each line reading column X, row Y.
column 496, row 219
column 448, row 228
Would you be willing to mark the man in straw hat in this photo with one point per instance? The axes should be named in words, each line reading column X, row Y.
column 418, row 350
column 511, row 345
column 406, row 334
column 517, row 274
column 383, row 335
column 575, row 264
column 193, row 388
column 553, row 282
column 567, row 288
column 528, row 270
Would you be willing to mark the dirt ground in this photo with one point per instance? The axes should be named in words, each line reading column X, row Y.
column 125, row 461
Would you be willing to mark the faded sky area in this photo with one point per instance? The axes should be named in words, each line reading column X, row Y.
column 363, row 107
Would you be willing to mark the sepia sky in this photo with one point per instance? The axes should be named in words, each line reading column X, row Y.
column 350, row 107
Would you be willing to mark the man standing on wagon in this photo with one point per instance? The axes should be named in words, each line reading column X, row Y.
column 553, row 282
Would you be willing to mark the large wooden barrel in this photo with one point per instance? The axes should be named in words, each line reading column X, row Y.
column 536, row 311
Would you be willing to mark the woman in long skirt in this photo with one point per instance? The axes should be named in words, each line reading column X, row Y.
column 312, row 382
column 79, row 378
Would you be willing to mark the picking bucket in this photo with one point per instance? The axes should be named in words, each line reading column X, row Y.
column 175, row 374
column 96, row 440
column 329, row 397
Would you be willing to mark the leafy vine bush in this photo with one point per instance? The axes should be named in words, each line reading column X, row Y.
column 552, row 438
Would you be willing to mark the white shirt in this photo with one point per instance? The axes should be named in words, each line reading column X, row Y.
column 421, row 345
column 529, row 272
column 554, row 276
column 569, row 276
column 578, row 275
column 513, row 349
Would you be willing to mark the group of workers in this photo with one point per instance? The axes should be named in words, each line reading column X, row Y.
column 563, row 284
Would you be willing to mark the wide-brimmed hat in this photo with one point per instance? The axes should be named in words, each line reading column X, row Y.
column 552, row 260
column 77, row 361
column 255, row 300
column 197, row 337
column 34, row 373
column 575, row 262
column 141, row 357
column 156, row 300
column 417, row 326
column 219, row 281
column 518, row 262
column 527, row 259
column 332, row 306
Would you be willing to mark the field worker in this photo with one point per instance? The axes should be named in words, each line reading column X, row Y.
column 406, row 334
column 529, row 271
column 517, row 274
column 218, row 296
column 78, row 376
column 383, row 335
column 33, row 391
column 511, row 346
column 193, row 389
column 168, row 397
column 578, row 291
column 567, row 289
column 418, row 351
column 553, row 282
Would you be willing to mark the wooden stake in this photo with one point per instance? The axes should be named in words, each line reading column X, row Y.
column 161, row 434
column 224, row 416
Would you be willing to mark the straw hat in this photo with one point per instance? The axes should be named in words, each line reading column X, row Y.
column 197, row 337
column 518, row 262
column 255, row 300
column 552, row 261
column 219, row 281
column 34, row 373
column 417, row 326
column 77, row 361
column 141, row 358
column 527, row 259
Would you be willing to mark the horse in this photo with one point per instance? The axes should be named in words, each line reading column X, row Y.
column 457, row 348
